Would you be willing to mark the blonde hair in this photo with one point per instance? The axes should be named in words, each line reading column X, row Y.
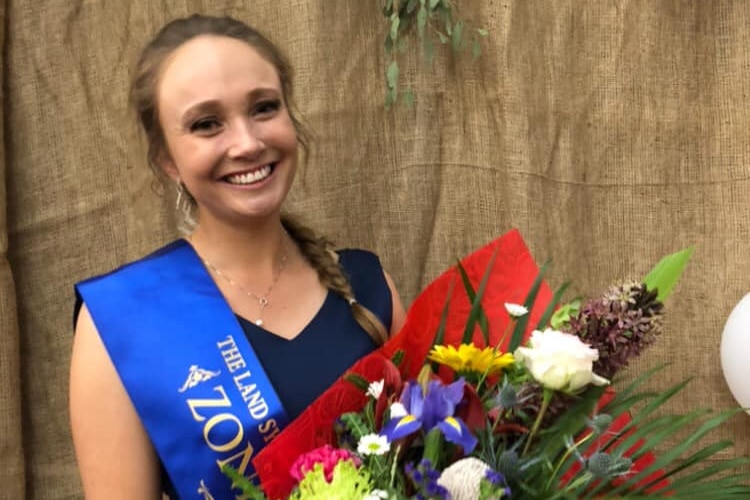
column 316, row 250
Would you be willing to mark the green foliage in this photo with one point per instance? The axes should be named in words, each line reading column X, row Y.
column 520, row 328
column 477, row 312
column 357, row 380
column 249, row 490
column 665, row 275
column 436, row 22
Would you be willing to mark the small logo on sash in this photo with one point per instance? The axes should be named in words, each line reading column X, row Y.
column 197, row 376
column 203, row 490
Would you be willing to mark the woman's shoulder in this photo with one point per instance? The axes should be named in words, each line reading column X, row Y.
column 153, row 258
column 358, row 259
column 122, row 280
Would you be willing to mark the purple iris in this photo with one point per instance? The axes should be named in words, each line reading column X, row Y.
column 430, row 410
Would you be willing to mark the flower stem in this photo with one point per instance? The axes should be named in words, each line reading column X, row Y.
column 494, row 351
column 546, row 398
column 567, row 454
column 433, row 441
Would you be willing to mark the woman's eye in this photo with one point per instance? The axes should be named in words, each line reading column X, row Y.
column 267, row 107
column 205, row 125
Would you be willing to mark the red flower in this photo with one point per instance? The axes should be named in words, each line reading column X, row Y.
column 327, row 456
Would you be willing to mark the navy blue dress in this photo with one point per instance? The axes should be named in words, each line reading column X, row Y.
column 302, row 368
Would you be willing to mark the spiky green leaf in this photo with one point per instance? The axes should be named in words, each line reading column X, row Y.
column 482, row 319
column 520, row 329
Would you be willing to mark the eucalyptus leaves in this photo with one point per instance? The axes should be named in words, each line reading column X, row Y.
column 436, row 22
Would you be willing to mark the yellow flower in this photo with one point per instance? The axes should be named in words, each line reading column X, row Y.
column 469, row 358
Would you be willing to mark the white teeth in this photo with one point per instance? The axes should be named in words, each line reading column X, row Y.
column 250, row 177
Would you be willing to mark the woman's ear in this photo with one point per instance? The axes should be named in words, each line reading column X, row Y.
column 165, row 163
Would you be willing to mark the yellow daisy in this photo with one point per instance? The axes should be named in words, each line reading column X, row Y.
column 469, row 358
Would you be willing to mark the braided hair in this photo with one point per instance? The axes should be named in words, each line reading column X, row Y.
column 317, row 251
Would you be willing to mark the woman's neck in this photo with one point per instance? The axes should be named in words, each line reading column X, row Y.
column 246, row 250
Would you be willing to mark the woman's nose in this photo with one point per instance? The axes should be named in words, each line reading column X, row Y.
column 245, row 141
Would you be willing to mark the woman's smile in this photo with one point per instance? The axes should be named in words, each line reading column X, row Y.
column 252, row 177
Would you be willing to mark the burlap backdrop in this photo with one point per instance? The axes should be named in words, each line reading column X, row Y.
column 610, row 133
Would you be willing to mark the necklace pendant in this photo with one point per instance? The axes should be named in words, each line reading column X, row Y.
column 259, row 322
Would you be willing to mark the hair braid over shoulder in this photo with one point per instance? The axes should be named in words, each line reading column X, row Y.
column 317, row 250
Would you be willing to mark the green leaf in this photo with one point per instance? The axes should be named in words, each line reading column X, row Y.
column 665, row 275
column 395, row 22
column 388, row 7
column 398, row 357
column 475, row 298
column 476, row 49
column 443, row 38
column 354, row 423
column 251, row 492
column 544, row 320
column 357, row 380
column 482, row 32
column 665, row 458
column 520, row 328
column 440, row 334
column 456, row 37
column 562, row 316
column 429, row 50
column 392, row 76
column 433, row 4
column 421, row 20
column 447, row 21
column 411, row 6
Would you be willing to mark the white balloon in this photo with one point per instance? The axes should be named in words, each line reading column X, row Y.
column 735, row 352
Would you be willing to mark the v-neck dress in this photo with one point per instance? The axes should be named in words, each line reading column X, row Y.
column 302, row 368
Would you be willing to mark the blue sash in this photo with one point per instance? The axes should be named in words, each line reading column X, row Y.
column 183, row 358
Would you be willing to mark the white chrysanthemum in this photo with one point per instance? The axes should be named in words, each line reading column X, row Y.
column 377, row 495
column 462, row 479
column 516, row 310
column 373, row 444
column 375, row 389
column 398, row 410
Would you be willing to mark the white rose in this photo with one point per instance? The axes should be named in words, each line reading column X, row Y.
column 560, row 361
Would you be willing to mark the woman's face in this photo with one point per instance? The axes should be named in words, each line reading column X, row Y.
column 228, row 134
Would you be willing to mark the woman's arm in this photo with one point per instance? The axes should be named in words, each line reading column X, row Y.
column 115, row 456
column 399, row 313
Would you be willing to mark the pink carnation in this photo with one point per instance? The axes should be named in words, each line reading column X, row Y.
column 326, row 455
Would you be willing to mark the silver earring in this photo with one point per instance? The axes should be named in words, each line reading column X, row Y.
column 180, row 188
column 184, row 207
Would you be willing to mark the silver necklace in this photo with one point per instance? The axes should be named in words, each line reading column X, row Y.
column 262, row 300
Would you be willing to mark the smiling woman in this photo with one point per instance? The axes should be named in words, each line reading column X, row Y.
column 229, row 138
column 197, row 355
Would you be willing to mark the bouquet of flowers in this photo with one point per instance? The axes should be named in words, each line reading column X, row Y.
column 494, row 390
